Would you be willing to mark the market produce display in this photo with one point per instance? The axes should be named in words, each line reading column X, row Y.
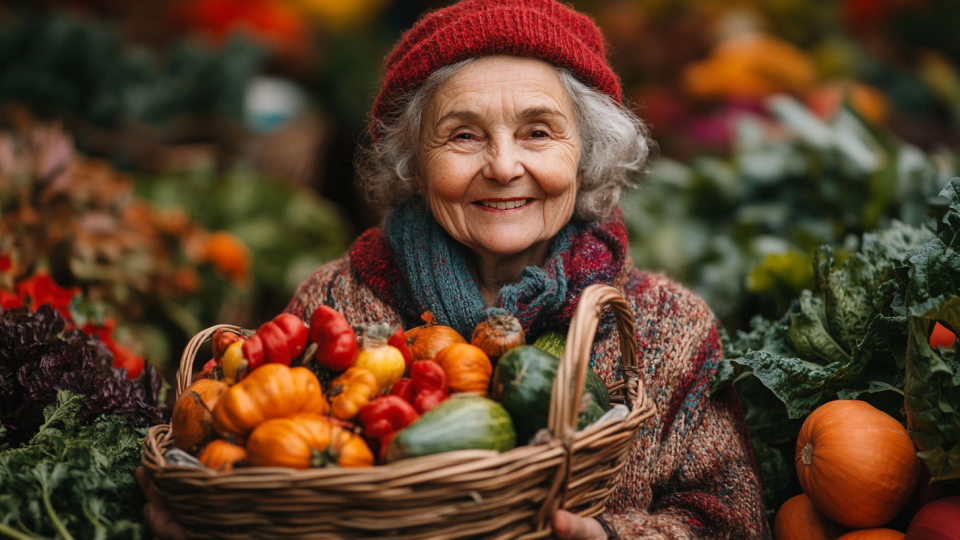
column 880, row 339
column 72, row 420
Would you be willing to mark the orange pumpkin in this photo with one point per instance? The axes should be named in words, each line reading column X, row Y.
column 798, row 519
column 468, row 368
column 304, row 440
column 353, row 389
column 873, row 534
column 856, row 463
column 192, row 420
column 222, row 456
column 498, row 334
column 426, row 341
column 270, row 391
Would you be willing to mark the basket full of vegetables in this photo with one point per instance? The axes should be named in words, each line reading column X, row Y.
column 296, row 431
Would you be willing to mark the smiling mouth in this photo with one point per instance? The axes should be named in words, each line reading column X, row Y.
column 504, row 205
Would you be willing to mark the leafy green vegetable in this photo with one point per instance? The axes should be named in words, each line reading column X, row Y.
column 73, row 480
column 932, row 380
column 69, row 66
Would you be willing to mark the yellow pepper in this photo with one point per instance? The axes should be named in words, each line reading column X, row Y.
column 233, row 364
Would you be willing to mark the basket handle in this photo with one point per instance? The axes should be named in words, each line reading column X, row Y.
column 185, row 371
column 572, row 372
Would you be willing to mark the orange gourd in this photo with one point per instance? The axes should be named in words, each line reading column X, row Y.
column 426, row 341
column 192, row 420
column 468, row 368
column 856, row 463
column 799, row 519
column 873, row 534
column 498, row 334
column 270, row 391
column 353, row 389
column 223, row 456
column 304, row 440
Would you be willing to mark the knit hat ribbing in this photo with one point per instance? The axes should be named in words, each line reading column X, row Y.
column 543, row 29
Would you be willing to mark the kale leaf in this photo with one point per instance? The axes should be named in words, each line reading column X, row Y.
column 73, row 479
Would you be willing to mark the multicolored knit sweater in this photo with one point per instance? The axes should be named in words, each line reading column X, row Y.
column 692, row 473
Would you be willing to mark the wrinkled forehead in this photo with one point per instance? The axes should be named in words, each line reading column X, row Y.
column 517, row 87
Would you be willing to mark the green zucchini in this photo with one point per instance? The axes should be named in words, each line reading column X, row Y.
column 460, row 423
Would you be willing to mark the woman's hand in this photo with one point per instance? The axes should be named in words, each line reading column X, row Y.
column 155, row 512
column 567, row 526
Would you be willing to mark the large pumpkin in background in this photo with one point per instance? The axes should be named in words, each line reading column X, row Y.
column 856, row 463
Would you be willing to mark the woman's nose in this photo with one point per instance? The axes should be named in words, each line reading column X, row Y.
column 503, row 164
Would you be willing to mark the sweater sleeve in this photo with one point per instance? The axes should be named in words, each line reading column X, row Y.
column 335, row 285
column 692, row 473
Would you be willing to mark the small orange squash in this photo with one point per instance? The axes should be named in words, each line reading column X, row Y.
column 467, row 367
column 498, row 334
column 798, row 519
column 223, row 456
column 424, row 342
column 873, row 534
column 353, row 389
column 270, row 391
column 192, row 420
column 304, row 440
column 856, row 463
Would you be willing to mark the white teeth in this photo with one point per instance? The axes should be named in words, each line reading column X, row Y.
column 505, row 205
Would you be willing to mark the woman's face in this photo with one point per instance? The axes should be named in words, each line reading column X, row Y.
column 499, row 150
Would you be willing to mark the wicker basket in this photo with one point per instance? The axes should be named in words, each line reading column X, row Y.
column 459, row 494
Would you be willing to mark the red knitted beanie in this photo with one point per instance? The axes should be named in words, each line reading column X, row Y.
column 544, row 29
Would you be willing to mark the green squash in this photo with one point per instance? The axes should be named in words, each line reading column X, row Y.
column 460, row 423
column 523, row 382
column 554, row 343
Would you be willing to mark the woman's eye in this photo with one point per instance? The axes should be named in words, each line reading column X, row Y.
column 538, row 133
column 463, row 136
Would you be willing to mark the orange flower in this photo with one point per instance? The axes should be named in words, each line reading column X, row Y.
column 230, row 256
column 749, row 68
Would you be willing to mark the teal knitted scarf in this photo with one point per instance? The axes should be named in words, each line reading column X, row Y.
column 435, row 278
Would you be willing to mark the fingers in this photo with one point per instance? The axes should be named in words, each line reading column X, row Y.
column 158, row 517
column 567, row 526
column 142, row 479
column 162, row 522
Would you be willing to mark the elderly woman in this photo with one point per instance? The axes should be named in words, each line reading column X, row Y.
column 500, row 148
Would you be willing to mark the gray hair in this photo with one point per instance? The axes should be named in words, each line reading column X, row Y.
column 614, row 148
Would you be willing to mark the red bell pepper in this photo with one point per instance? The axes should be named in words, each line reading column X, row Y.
column 383, row 418
column 403, row 390
column 399, row 340
column 336, row 341
column 426, row 387
column 278, row 341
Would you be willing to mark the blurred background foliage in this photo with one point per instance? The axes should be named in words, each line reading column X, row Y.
column 227, row 129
